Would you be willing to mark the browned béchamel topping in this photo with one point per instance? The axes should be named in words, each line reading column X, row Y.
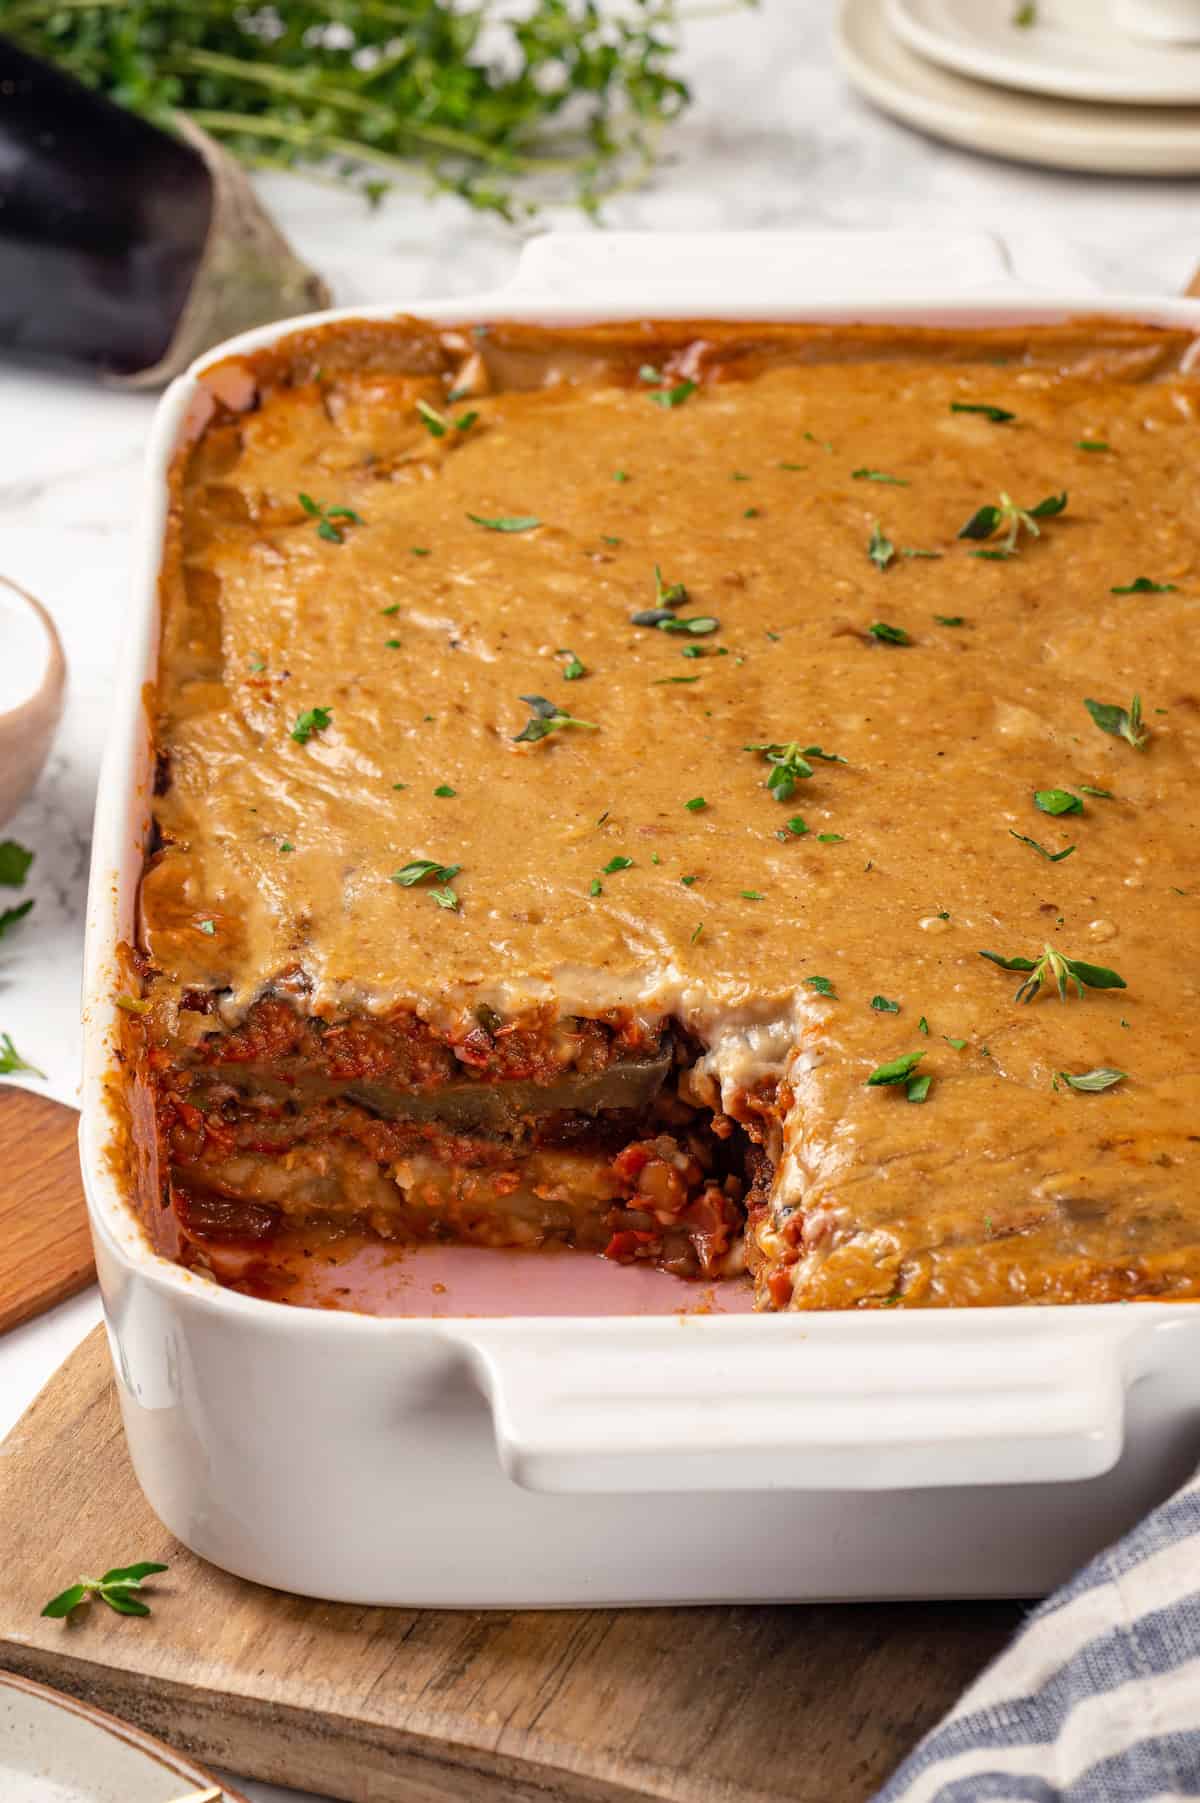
column 789, row 728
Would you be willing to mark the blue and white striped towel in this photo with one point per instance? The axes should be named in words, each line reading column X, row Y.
column 1098, row 1698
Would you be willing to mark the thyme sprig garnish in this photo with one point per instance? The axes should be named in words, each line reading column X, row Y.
column 1122, row 722
column 999, row 416
column 325, row 517
column 439, row 424
column 1090, row 1081
column 1055, row 857
column 880, row 548
column 573, row 669
column 900, row 1070
column 117, row 1588
column 1142, row 585
column 1063, row 972
column 15, row 860
column 1005, row 515
column 312, row 720
column 547, row 717
column 1057, row 801
column 420, row 870
column 888, row 635
column 11, row 1060
column 788, row 767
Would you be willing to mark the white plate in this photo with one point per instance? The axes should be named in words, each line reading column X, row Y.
column 1059, row 134
column 54, row 1749
column 1073, row 50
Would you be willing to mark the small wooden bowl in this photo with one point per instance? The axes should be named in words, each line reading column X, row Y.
column 32, row 685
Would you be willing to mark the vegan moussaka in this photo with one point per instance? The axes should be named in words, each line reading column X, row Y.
column 722, row 796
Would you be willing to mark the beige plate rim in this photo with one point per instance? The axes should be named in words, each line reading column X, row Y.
column 1026, row 128
column 198, row 1777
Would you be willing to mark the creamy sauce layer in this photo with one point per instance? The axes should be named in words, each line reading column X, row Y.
column 583, row 875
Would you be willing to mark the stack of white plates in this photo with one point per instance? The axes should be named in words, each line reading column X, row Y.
column 1061, row 82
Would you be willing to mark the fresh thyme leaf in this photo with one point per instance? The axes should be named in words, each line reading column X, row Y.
column 917, row 1088
column 1100, row 1078
column 1055, row 857
column 393, row 609
column 434, row 422
column 11, row 1060
column 752, row 895
column 420, row 868
column 822, row 985
column 610, row 538
column 1091, row 444
column 1122, row 723
column 993, row 556
column 444, row 789
column 10, row 916
column 880, row 549
column 673, row 397
column 997, row 415
column 986, row 521
column 668, row 594
column 827, row 757
column 445, row 898
column 949, row 620
column 1025, row 15
column 15, row 860
column 881, row 1005
column 617, row 863
column 506, row 522
column 546, row 718
column 1142, row 585
column 898, row 1070
column 209, row 927
column 1047, row 508
column 831, row 838
column 621, row 476
column 662, row 682
column 788, row 767
column 696, row 805
column 325, row 516
column 116, row 1588
column 572, row 670
column 791, row 466
column 912, row 551
column 1104, row 794
column 751, row 513
column 651, row 616
column 865, row 475
column 956, row 1044
column 699, row 625
column 796, row 827
column 687, row 881
column 1057, row 801
column 888, row 635
column 1063, row 972
column 595, row 887
column 312, row 720
column 698, row 931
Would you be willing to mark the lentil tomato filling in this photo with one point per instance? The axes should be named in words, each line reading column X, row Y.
column 571, row 1131
column 671, row 788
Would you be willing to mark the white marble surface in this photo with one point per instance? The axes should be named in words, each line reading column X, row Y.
column 774, row 141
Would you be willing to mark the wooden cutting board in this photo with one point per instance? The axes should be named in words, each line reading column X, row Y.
column 45, row 1247
column 707, row 1705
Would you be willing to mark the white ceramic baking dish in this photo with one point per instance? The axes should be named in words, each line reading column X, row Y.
column 543, row 1461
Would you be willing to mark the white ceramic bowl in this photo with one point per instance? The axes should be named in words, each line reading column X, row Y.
column 33, row 676
column 542, row 1461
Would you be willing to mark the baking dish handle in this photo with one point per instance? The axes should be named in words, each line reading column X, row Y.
column 861, row 1403
column 762, row 271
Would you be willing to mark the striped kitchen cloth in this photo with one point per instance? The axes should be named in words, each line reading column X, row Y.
column 1097, row 1700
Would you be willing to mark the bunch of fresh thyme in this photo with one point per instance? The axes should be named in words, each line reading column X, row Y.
column 485, row 101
